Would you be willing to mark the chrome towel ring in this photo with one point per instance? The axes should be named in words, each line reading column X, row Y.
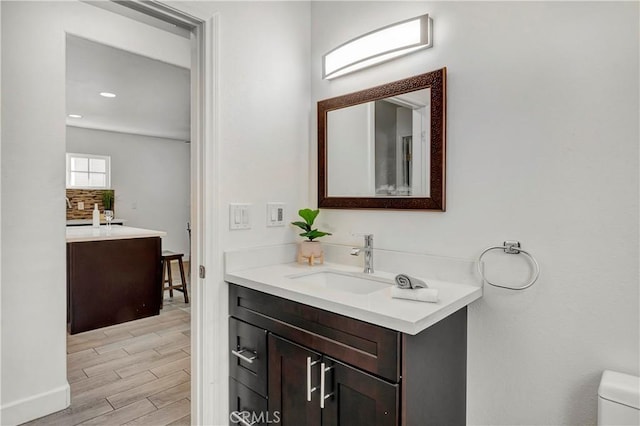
column 510, row 247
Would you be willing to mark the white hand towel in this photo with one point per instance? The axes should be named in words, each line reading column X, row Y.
column 419, row 294
column 405, row 281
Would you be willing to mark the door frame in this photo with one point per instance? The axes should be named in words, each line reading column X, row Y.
column 204, row 216
column 208, row 390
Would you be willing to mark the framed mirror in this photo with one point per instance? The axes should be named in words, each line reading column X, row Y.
column 384, row 147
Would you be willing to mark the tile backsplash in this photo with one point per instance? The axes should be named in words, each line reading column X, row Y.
column 89, row 197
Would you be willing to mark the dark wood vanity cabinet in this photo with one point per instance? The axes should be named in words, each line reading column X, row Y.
column 294, row 364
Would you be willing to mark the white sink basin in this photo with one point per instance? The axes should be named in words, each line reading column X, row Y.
column 343, row 281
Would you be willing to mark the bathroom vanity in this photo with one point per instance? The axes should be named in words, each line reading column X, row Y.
column 113, row 275
column 304, row 353
column 314, row 367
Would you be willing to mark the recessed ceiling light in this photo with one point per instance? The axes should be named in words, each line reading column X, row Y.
column 75, row 116
column 108, row 95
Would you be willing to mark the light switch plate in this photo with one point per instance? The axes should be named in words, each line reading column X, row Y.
column 239, row 216
column 275, row 214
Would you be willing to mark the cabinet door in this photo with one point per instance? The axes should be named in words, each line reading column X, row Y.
column 294, row 372
column 355, row 398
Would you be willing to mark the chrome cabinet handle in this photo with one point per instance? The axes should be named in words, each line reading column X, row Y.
column 237, row 418
column 310, row 390
column 240, row 355
column 323, row 370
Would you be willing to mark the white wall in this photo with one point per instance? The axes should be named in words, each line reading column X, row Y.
column 264, row 120
column 543, row 137
column 150, row 177
column 33, row 360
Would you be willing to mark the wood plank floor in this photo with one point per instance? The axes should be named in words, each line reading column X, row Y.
column 134, row 373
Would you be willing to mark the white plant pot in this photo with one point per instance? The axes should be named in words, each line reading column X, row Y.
column 310, row 252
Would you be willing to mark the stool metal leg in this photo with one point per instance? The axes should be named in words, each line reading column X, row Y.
column 184, row 282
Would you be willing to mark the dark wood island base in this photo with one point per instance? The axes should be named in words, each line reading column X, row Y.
column 112, row 281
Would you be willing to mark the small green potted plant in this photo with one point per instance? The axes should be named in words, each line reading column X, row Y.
column 309, row 250
column 107, row 199
column 107, row 203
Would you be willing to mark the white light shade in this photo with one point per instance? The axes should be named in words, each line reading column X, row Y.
column 108, row 94
column 378, row 46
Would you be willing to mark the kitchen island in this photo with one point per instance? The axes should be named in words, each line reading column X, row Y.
column 113, row 275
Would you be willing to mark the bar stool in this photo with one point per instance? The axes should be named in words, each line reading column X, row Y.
column 167, row 257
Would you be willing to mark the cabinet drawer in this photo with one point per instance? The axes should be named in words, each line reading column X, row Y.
column 367, row 346
column 246, row 407
column 248, row 355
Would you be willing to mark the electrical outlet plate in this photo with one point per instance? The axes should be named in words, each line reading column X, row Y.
column 239, row 217
column 275, row 214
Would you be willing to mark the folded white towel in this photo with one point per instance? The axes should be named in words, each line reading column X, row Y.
column 405, row 281
column 419, row 294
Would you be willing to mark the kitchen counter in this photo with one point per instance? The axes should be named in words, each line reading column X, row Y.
column 378, row 307
column 88, row 233
column 89, row 222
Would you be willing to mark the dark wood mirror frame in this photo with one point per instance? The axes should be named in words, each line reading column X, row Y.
column 436, row 81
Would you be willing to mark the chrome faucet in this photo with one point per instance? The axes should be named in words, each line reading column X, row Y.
column 68, row 202
column 368, row 253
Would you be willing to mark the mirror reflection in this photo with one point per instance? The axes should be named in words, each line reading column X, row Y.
column 380, row 148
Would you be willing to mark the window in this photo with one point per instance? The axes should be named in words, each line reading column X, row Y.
column 88, row 171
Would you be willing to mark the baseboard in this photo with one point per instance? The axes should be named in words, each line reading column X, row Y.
column 36, row 406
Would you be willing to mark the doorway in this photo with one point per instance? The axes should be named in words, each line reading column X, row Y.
column 203, row 218
column 133, row 145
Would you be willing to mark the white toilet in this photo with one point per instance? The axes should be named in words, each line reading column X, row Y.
column 618, row 399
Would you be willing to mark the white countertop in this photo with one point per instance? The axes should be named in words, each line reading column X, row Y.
column 117, row 232
column 378, row 308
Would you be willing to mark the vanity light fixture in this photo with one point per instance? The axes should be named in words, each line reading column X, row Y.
column 378, row 46
column 108, row 94
column 75, row 116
